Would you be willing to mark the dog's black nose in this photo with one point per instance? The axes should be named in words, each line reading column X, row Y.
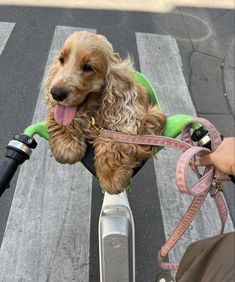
column 59, row 94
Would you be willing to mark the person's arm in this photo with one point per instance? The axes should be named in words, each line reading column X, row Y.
column 223, row 158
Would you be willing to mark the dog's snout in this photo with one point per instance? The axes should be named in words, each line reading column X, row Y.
column 59, row 94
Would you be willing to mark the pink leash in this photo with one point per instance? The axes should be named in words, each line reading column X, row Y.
column 205, row 184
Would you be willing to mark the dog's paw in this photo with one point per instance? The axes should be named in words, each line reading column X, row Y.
column 111, row 187
column 67, row 153
column 116, row 181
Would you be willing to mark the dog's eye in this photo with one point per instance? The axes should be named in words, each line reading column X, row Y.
column 61, row 59
column 87, row 68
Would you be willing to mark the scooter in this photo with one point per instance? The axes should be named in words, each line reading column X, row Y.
column 116, row 223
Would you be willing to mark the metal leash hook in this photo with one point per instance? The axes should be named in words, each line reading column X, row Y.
column 217, row 186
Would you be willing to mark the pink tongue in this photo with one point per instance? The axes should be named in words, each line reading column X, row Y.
column 64, row 115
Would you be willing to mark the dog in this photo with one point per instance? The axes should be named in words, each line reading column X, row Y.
column 87, row 87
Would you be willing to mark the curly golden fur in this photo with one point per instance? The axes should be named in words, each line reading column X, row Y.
column 101, row 85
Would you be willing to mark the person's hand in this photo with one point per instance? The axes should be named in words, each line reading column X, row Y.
column 223, row 158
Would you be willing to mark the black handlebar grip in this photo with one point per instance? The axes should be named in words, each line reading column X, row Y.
column 7, row 171
column 13, row 158
column 18, row 150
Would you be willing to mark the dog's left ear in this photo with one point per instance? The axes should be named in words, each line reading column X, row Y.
column 119, row 78
column 120, row 91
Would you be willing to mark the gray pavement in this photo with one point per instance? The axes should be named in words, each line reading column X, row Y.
column 205, row 38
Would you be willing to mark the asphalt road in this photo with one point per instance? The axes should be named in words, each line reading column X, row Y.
column 205, row 38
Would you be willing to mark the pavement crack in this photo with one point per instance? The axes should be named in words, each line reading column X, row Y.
column 220, row 16
column 207, row 54
column 190, row 60
column 191, row 74
column 53, row 256
column 224, row 87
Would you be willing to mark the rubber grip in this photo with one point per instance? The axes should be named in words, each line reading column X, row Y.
column 7, row 171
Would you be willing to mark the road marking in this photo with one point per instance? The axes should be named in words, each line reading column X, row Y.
column 5, row 31
column 48, row 230
column 161, row 63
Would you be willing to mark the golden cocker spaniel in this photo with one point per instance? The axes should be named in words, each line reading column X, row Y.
column 87, row 87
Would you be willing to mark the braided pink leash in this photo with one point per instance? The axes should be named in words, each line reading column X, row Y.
column 205, row 184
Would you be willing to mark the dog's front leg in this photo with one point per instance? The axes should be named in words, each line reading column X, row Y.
column 113, row 180
column 114, row 163
column 67, row 142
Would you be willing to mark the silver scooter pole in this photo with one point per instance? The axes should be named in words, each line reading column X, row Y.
column 116, row 239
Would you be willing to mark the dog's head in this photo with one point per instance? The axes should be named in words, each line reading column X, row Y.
column 87, row 64
column 81, row 68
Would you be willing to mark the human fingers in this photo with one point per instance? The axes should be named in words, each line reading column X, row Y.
column 205, row 160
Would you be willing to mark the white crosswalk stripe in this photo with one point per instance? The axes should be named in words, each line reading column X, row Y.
column 161, row 63
column 5, row 31
column 47, row 237
column 50, row 210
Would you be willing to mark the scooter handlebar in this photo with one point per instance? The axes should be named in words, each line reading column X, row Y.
column 18, row 150
column 7, row 171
